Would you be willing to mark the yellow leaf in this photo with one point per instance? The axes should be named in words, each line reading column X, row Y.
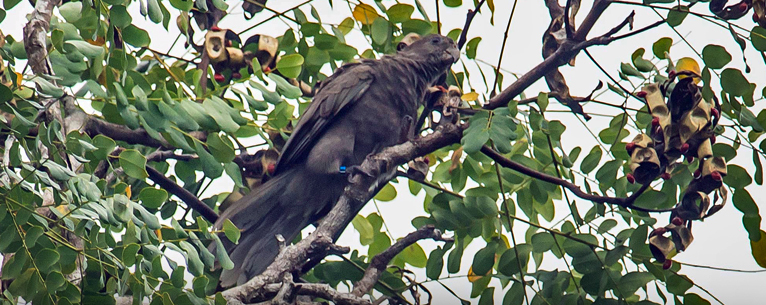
column 759, row 250
column 365, row 14
column 470, row 96
column 63, row 209
column 18, row 79
column 159, row 234
column 472, row 277
column 688, row 64
column 128, row 191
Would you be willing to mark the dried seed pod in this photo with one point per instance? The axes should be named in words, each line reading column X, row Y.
column 215, row 45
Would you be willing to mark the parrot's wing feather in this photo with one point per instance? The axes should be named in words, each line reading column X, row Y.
column 337, row 92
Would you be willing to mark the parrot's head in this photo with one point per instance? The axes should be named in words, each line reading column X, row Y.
column 436, row 49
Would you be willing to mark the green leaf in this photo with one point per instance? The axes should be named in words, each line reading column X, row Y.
column 195, row 265
column 152, row 197
column 290, row 65
column 155, row 14
column 346, row 25
column 509, row 263
column 487, row 296
column 184, row 5
column 231, row 231
column 744, row 202
column 221, row 148
column 758, row 38
column 9, row 4
column 198, row 286
column 135, row 37
column 715, row 56
column 628, row 69
column 133, row 163
column 387, row 193
column 211, row 167
column 71, row 11
column 435, row 263
column 677, row 15
column 57, row 171
column 632, row 281
column 454, row 259
column 484, row 259
column 453, row 3
column 400, row 12
column 662, row 46
column 606, row 225
column 471, row 47
column 380, row 31
column 640, row 63
column 129, row 254
column 477, row 133
column 285, row 88
column 48, row 88
column 678, row 284
column 221, row 255
column 737, row 177
column 542, row 242
column 365, row 229
column 219, row 110
column 515, row 295
column 119, row 16
column 694, row 299
column 415, row 256
column 590, row 161
column 733, row 82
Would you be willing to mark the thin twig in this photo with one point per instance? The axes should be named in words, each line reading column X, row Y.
column 468, row 19
column 190, row 199
column 626, row 202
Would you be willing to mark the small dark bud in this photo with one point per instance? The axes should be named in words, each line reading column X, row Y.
column 677, row 221
column 667, row 264
column 630, row 146
column 684, row 148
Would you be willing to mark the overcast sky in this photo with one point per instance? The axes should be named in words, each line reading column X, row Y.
column 720, row 241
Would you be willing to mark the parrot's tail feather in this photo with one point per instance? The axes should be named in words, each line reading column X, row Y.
column 282, row 206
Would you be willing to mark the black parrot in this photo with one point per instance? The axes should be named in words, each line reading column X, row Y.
column 359, row 110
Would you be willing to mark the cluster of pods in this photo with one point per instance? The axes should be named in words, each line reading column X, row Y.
column 681, row 129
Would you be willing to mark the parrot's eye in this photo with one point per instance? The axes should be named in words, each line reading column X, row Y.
column 436, row 40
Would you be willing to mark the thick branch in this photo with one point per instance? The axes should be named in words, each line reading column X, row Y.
column 357, row 193
column 95, row 126
column 626, row 202
column 35, row 33
column 379, row 263
column 190, row 199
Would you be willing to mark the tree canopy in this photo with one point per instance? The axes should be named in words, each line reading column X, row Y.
column 119, row 129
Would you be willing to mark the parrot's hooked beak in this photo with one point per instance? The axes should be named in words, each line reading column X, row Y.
column 455, row 53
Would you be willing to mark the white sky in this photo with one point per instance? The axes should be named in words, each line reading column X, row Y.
column 720, row 241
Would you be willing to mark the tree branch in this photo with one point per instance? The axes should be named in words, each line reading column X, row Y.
column 468, row 19
column 190, row 199
column 567, row 50
column 35, row 36
column 626, row 202
column 380, row 262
